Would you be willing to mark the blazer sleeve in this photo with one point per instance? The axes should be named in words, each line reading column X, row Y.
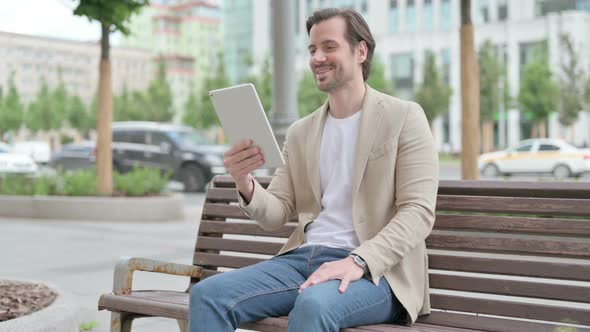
column 416, row 187
column 271, row 208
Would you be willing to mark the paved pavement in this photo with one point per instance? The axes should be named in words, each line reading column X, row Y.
column 79, row 256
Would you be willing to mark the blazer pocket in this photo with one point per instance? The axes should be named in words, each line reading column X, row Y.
column 382, row 149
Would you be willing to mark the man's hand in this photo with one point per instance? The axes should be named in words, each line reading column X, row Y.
column 344, row 270
column 241, row 159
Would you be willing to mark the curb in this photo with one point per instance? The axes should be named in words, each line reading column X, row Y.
column 155, row 208
column 60, row 316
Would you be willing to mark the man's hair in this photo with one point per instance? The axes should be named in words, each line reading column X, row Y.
column 357, row 30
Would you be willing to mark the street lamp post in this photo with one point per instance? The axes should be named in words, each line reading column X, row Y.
column 284, row 91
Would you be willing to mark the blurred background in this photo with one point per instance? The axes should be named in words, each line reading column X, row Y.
column 534, row 66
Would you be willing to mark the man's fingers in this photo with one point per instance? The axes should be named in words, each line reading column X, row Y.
column 239, row 157
column 239, row 147
column 343, row 285
column 250, row 165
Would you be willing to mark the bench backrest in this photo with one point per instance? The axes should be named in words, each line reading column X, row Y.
column 518, row 250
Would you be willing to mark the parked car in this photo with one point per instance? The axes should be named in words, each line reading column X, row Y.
column 537, row 156
column 15, row 163
column 186, row 152
column 40, row 151
column 75, row 156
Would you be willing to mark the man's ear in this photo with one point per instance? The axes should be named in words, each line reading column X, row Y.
column 363, row 50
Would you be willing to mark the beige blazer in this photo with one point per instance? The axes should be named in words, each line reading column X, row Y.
column 394, row 187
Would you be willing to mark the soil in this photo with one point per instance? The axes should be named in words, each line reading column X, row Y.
column 21, row 298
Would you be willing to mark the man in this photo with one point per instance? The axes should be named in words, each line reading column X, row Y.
column 361, row 176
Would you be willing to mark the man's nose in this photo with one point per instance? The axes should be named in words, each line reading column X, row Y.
column 318, row 56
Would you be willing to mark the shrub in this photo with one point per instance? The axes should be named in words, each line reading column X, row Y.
column 16, row 185
column 78, row 183
column 141, row 181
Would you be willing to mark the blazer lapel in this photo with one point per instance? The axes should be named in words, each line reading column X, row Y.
column 372, row 113
column 314, row 140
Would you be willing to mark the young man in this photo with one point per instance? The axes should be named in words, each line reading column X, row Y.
column 361, row 175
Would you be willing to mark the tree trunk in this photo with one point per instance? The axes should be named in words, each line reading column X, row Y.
column 542, row 131
column 469, row 97
column 104, row 155
column 488, row 136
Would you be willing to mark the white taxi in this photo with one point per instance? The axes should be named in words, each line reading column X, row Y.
column 541, row 155
column 15, row 163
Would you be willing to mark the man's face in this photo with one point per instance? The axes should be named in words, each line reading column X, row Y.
column 333, row 62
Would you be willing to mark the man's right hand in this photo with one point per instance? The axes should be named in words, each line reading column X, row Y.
column 241, row 159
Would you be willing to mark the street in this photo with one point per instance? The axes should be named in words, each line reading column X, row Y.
column 79, row 256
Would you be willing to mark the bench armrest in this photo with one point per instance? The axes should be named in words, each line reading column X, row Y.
column 125, row 267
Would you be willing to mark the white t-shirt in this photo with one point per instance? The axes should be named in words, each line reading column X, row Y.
column 333, row 227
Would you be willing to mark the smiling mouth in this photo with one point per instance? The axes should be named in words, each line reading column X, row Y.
column 322, row 71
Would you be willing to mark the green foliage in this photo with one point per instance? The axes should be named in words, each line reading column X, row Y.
column 115, row 14
column 309, row 96
column 79, row 183
column 39, row 115
column 490, row 75
column 263, row 84
column 132, row 107
column 157, row 104
column 16, row 185
column 587, row 93
column 11, row 109
column 433, row 94
column 571, row 82
column 538, row 93
column 141, row 181
column 79, row 117
column 88, row 326
column 205, row 113
column 377, row 78
column 191, row 109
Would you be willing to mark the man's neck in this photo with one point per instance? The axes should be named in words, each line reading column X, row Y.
column 347, row 100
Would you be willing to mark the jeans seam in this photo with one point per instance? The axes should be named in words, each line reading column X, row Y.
column 249, row 296
column 309, row 260
column 361, row 309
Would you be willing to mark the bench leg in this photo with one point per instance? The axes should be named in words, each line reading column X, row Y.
column 121, row 322
column 183, row 325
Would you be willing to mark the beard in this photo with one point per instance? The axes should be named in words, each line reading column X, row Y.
column 338, row 79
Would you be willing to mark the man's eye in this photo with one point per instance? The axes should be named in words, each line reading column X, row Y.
column 311, row 52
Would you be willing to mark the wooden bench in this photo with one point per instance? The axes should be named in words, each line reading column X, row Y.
column 504, row 256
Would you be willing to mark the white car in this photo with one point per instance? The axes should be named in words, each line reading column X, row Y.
column 541, row 155
column 15, row 163
column 40, row 151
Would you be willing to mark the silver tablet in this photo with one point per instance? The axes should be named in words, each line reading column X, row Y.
column 242, row 117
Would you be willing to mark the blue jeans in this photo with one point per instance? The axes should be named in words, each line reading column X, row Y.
column 270, row 288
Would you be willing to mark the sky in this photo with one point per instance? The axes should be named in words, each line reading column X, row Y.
column 48, row 18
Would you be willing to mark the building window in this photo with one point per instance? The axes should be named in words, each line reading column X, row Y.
column 484, row 11
column 344, row 4
column 445, row 57
column 393, row 16
column 502, row 10
column 446, row 19
column 364, row 8
column 410, row 16
column 402, row 73
column 427, row 15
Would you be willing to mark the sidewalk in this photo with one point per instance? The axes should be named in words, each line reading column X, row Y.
column 79, row 257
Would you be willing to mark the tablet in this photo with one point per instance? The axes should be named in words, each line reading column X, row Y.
column 242, row 117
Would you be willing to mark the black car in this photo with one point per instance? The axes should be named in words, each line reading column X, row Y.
column 186, row 152
column 74, row 156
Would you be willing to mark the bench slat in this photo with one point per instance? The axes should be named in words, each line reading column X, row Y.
column 506, row 224
column 512, row 266
column 228, row 195
column 492, row 204
column 533, row 289
column 150, row 303
column 207, row 259
column 493, row 324
column 254, row 247
column 225, row 227
column 521, row 246
column 218, row 210
column 511, row 309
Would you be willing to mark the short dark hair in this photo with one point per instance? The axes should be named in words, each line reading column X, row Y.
column 357, row 30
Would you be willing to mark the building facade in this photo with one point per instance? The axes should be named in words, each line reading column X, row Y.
column 183, row 34
column 406, row 29
column 31, row 59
